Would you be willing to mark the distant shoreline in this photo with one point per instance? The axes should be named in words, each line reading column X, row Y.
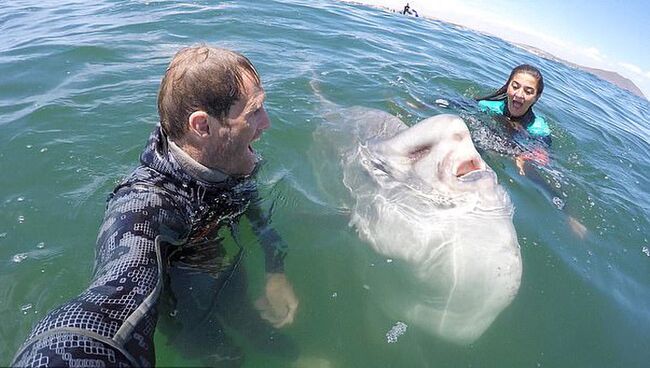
column 606, row 75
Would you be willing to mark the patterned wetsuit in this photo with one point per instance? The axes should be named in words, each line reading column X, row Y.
column 159, row 207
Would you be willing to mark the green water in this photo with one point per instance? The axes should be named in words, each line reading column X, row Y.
column 78, row 84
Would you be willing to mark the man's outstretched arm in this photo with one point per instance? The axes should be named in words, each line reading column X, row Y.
column 279, row 304
column 112, row 322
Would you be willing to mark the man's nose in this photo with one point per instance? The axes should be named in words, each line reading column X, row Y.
column 266, row 121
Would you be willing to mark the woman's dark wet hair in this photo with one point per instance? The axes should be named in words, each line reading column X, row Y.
column 500, row 94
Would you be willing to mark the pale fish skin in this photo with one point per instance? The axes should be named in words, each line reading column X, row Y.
column 424, row 196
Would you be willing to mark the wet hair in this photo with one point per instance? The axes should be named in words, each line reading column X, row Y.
column 201, row 78
column 500, row 94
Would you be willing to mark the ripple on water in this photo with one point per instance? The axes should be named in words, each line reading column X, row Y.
column 25, row 307
column 17, row 258
column 41, row 253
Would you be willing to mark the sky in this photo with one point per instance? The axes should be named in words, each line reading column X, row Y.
column 604, row 34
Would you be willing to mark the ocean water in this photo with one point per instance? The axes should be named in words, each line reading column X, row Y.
column 78, row 84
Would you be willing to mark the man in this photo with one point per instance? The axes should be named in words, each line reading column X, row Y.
column 194, row 178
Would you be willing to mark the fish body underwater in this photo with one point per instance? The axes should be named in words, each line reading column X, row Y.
column 423, row 196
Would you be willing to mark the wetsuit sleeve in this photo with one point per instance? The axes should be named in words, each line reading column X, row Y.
column 540, row 130
column 492, row 107
column 112, row 322
column 275, row 249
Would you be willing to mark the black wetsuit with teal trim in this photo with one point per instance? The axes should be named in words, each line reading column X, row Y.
column 535, row 125
column 159, row 207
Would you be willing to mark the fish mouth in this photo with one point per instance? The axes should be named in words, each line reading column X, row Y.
column 474, row 175
column 469, row 166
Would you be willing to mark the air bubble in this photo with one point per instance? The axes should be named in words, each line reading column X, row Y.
column 442, row 103
column 25, row 308
column 395, row 332
column 19, row 257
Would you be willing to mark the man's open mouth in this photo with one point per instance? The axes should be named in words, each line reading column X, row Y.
column 255, row 139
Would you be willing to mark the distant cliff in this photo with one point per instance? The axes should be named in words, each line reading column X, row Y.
column 611, row 77
column 615, row 78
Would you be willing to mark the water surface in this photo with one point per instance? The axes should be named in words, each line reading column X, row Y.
column 78, row 100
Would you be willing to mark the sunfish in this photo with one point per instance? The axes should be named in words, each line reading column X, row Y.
column 424, row 196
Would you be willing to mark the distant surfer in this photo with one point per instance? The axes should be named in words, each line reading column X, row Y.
column 408, row 11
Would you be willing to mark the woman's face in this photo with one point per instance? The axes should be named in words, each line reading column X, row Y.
column 522, row 93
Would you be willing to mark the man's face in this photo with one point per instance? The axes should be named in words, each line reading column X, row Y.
column 522, row 93
column 231, row 148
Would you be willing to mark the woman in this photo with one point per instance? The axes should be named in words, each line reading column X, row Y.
column 515, row 100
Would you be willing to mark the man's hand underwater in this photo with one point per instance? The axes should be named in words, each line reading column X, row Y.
column 278, row 305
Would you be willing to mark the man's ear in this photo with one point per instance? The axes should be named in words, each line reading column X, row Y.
column 198, row 123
